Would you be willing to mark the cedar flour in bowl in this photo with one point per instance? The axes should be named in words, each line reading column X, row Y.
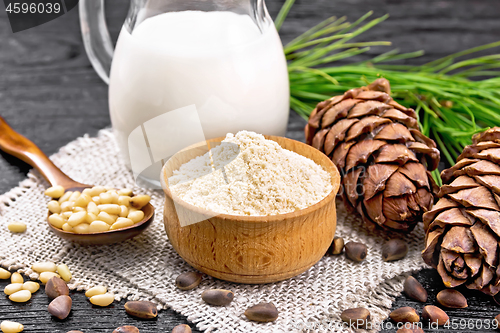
column 253, row 209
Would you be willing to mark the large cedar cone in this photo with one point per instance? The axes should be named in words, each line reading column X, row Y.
column 463, row 229
column 382, row 156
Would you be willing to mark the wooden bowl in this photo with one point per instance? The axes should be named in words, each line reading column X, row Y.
column 252, row 249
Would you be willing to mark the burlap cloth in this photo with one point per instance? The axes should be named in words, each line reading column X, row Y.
column 146, row 266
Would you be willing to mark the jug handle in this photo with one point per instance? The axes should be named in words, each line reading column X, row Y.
column 96, row 38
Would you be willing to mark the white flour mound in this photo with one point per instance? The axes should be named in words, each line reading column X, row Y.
column 263, row 179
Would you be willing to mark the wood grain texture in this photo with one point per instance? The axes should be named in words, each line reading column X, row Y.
column 84, row 316
column 251, row 249
column 50, row 93
column 19, row 146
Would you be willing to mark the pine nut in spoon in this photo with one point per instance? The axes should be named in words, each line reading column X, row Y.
column 71, row 196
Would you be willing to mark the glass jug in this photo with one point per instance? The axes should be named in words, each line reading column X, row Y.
column 221, row 58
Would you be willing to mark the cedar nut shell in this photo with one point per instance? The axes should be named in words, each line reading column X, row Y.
column 451, row 298
column 141, row 309
column 414, row 290
column 126, row 329
column 434, row 315
column 395, row 249
column 56, row 287
column 182, row 329
column 188, row 280
column 217, row 296
column 357, row 316
column 60, row 307
column 405, row 314
column 337, row 246
column 356, row 251
column 262, row 312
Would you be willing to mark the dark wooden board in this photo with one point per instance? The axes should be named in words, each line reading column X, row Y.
column 84, row 316
column 50, row 93
column 481, row 308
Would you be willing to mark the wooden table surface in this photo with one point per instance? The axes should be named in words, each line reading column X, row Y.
column 50, row 93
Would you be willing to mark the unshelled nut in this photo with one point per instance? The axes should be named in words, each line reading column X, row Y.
column 60, row 306
column 356, row 317
column 395, row 249
column 126, row 329
column 414, row 290
column 141, row 309
column 451, row 298
column 405, row 314
column 356, row 251
column 182, row 329
column 262, row 312
column 435, row 315
column 56, row 287
column 217, row 296
column 337, row 245
column 188, row 280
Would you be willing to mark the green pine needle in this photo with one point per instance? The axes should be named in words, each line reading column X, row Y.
column 450, row 105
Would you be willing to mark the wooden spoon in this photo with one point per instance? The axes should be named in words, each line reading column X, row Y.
column 19, row 146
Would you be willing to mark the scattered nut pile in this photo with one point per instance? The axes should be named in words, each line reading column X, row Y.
column 448, row 298
column 394, row 249
column 262, row 312
column 53, row 276
column 141, row 309
column 95, row 209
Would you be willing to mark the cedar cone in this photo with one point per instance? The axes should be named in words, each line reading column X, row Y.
column 381, row 155
column 463, row 228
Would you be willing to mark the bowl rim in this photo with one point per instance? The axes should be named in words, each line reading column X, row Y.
column 334, row 178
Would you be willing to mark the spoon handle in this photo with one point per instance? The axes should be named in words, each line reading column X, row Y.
column 19, row 146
